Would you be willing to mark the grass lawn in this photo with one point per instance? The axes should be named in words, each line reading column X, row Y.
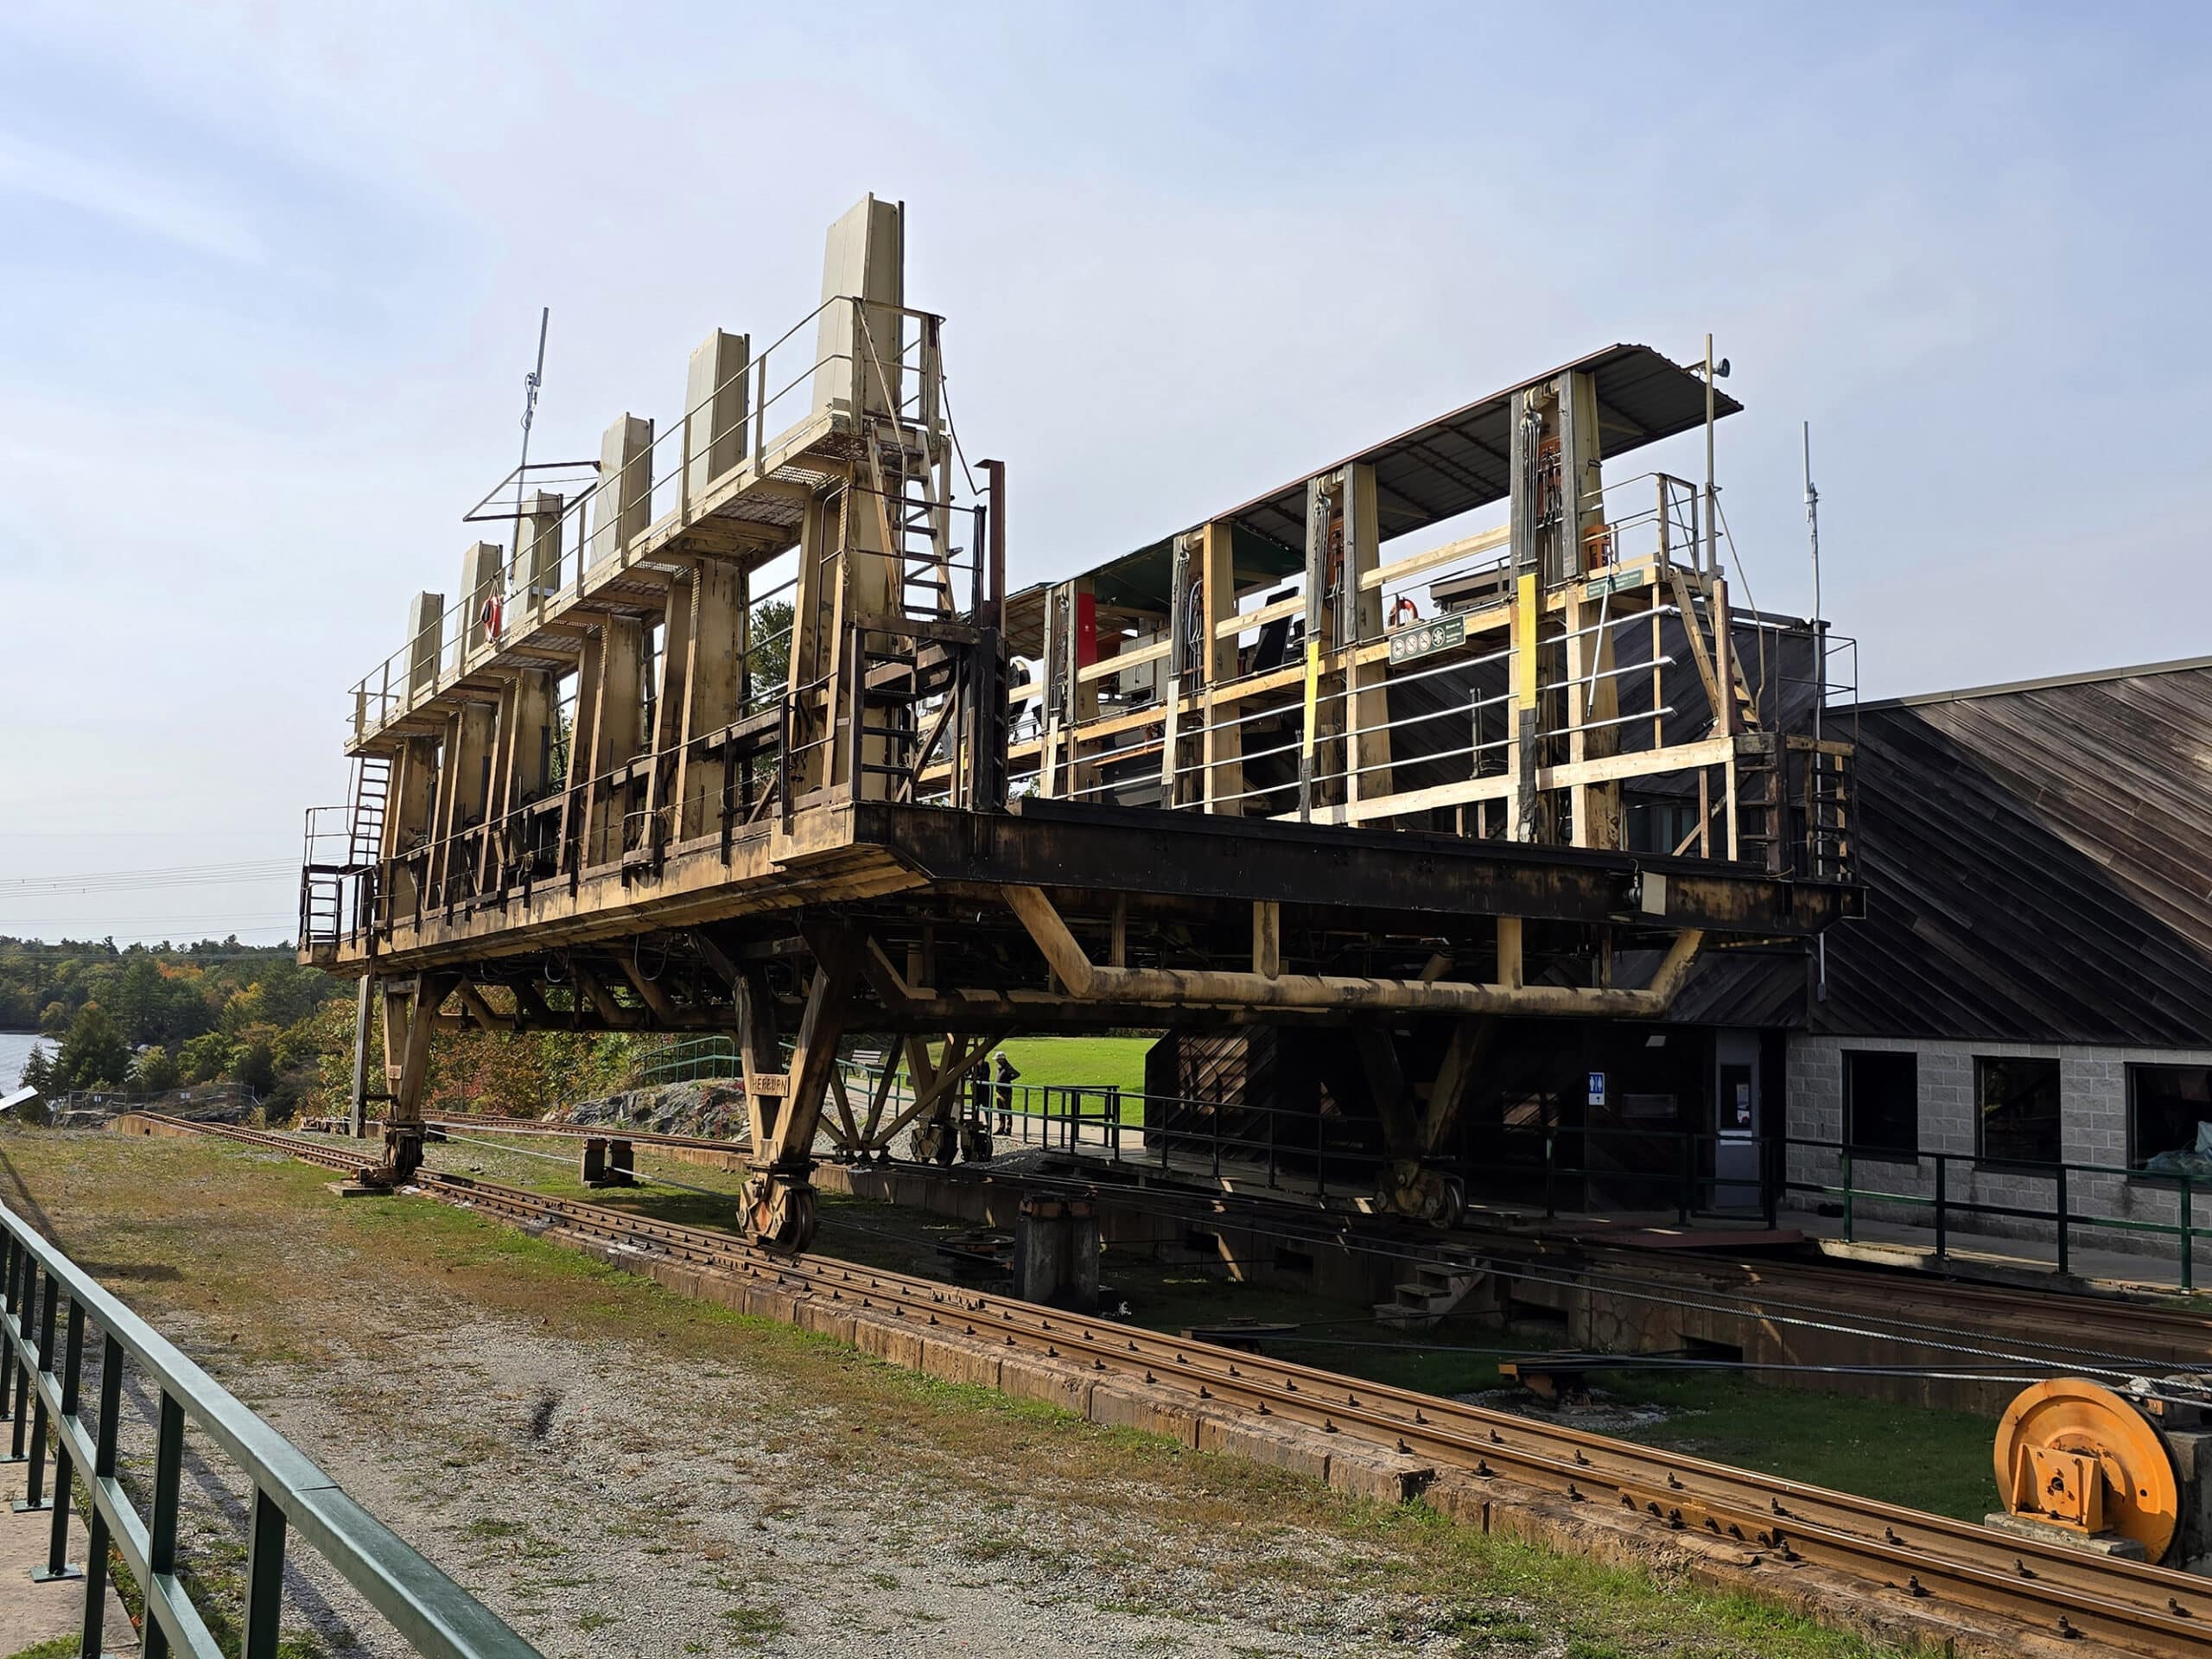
column 1080, row 1062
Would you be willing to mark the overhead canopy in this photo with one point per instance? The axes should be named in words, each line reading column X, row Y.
column 1435, row 471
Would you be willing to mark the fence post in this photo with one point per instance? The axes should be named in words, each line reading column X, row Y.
column 57, row 1539
column 1943, row 1231
column 34, row 1496
column 2062, row 1218
column 2188, row 1237
column 96, row 1542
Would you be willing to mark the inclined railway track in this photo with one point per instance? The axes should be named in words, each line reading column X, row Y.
column 2105, row 1605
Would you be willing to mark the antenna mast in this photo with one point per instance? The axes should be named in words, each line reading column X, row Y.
column 531, row 383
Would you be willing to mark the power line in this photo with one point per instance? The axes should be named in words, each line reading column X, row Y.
column 235, row 873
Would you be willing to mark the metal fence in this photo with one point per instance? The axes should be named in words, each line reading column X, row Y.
column 62, row 1324
column 2058, row 1187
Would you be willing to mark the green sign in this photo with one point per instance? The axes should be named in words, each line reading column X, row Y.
column 1421, row 639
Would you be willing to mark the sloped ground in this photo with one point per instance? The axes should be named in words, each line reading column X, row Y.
column 618, row 1470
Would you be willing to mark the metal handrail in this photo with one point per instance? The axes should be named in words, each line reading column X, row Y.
column 432, row 1613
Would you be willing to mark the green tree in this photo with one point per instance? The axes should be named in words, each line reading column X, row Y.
column 38, row 1071
column 94, row 1054
column 206, row 1056
column 256, row 1064
column 769, row 659
column 155, row 1071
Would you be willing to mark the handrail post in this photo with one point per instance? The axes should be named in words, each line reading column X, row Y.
column 104, row 1433
column 2062, row 1218
column 35, row 1494
column 10, row 1253
column 57, row 1540
column 21, row 1276
column 160, row 1529
column 2188, row 1237
column 264, row 1579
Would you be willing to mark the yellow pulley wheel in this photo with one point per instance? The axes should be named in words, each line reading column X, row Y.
column 2075, row 1454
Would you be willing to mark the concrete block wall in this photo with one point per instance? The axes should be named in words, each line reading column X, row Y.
column 2092, row 1129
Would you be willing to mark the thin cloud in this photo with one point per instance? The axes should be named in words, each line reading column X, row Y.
column 154, row 207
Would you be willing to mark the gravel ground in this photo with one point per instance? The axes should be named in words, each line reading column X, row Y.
column 606, row 1503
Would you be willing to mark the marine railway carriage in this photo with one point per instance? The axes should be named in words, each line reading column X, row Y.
column 1257, row 773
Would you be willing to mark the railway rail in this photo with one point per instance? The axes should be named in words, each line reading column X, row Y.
column 2112, row 1337
column 1928, row 1563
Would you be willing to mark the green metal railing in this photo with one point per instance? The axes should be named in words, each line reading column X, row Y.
column 692, row 1059
column 2062, row 1213
column 56, row 1315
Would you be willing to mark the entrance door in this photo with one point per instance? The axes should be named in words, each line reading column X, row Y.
column 1736, row 1120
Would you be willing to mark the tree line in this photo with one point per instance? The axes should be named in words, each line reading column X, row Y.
column 149, row 1019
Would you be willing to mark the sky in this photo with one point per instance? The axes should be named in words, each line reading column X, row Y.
column 272, row 274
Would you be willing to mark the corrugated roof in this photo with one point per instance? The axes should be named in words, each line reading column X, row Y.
column 2038, row 862
column 1438, row 470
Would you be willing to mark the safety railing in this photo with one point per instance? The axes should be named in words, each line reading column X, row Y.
column 68, row 1341
column 1926, row 1188
column 889, row 361
column 928, row 691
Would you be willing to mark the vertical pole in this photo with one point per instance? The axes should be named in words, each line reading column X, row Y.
column 2062, row 1218
column 1551, row 1171
column 160, row 1531
column 995, row 599
column 264, row 1579
column 21, row 1282
column 1942, row 1229
column 57, row 1540
column 9, row 1253
column 2188, row 1237
column 97, row 1542
column 1689, row 1180
column 357, row 1113
column 34, row 1496
column 1712, row 518
column 1849, row 1218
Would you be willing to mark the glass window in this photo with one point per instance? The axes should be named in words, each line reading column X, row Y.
column 1881, row 1101
column 2017, row 1106
column 2166, row 1105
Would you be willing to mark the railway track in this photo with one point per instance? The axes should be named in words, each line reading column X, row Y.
column 1928, row 1563
column 2105, row 1336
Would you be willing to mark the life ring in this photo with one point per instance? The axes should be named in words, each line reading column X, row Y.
column 1403, row 612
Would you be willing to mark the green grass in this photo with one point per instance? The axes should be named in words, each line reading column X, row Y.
column 1080, row 1062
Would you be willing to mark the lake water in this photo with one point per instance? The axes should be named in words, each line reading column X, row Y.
column 15, row 1049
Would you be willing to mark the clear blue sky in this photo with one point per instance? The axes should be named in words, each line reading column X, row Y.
column 271, row 276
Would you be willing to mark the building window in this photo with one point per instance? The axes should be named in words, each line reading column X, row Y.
column 2168, row 1107
column 1881, row 1101
column 2016, row 1102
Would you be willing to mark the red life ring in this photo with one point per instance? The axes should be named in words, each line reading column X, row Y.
column 1403, row 612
